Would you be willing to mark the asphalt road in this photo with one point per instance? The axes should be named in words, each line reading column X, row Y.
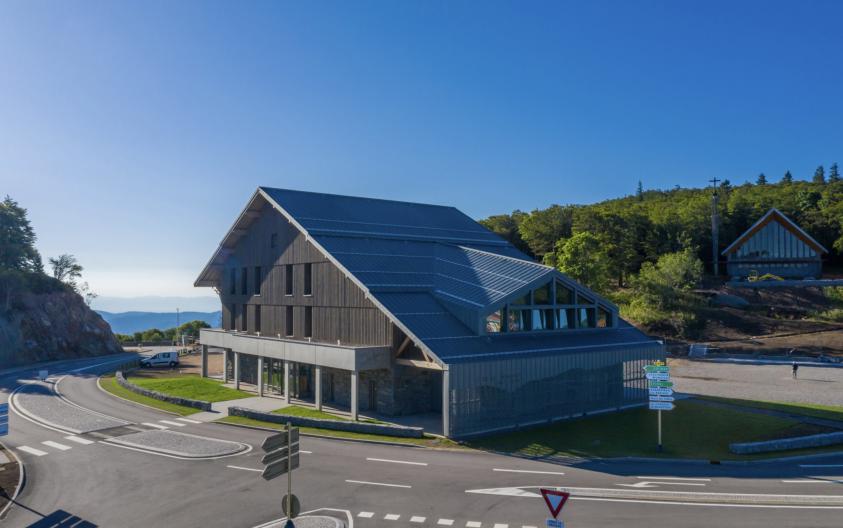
column 84, row 480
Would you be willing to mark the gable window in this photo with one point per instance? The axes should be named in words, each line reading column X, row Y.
column 258, row 279
column 542, row 295
column 232, row 286
column 604, row 318
column 308, row 279
column 587, row 318
column 493, row 322
column 273, row 240
column 244, row 281
column 288, row 324
column 564, row 294
column 288, row 279
column 308, row 321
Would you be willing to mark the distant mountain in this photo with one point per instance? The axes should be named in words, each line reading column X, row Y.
column 131, row 322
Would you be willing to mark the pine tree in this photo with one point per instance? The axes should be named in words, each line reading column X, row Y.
column 833, row 173
column 762, row 180
column 726, row 185
column 787, row 178
column 639, row 192
column 819, row 175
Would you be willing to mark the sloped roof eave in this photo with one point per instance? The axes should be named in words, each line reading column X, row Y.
column 786, row 222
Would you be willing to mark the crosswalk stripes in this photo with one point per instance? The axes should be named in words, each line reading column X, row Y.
column 32, row 450
column 188, row 420
column 79, row 440
column 418, row 519
column 56, row 445
column 174, row 424
column 154, row 426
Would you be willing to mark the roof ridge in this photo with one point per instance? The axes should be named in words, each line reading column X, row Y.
column 502, row 256
column 369, row 198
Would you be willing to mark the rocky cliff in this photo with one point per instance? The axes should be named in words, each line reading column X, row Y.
column 49, row 326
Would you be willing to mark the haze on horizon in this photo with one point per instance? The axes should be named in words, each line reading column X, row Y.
column 134, row 134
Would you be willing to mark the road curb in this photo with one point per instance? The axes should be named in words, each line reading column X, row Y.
column 100, row 387
column 21, row 481
column 327, row 437
column 699, row 461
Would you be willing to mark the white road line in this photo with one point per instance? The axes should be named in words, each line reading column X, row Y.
column 812, row 481
column 366, row 515
column 154, row 426
column 501, row 525
column 473, row 524
column 168, row 422
column 391, row 517
column 396, row 461
column 31, row 451
column 188, row 420
column 79, row 440
column 527, row 526
column 674, row 478
column 305, row 452
column 56, row 445
column 417, row 519
column 378, row 484
column 529, row 471
column 445, row 522
column 820, row 465
column 245, row 468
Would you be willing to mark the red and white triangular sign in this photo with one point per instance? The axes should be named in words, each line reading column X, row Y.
column 555, row 500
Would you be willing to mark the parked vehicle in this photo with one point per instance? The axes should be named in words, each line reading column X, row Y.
column 171, row 359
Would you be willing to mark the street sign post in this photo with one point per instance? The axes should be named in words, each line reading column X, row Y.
column 4, row 419
column 282, row 457
column 660, row 391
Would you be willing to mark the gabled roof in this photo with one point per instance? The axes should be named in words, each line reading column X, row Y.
column 429, row 268
column 774, row 215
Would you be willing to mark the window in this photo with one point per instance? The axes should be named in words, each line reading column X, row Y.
column 258, row 279
column 308, row 279
column 586, row 318
column 257, row 318
column 288, row 279
column 582, row 299
column 232, row 316
column 493, row 322
column 519, row 320
column 232, row 287
column 564, row 295
column 522, row 300
column 288, row 326
column 244, row 281
column 542, row 295
column 273, row 240
column 308, row 321
column 243, row 319
column 566, row 318
column 604, row 318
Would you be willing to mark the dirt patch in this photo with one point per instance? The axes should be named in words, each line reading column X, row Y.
column 9, row 478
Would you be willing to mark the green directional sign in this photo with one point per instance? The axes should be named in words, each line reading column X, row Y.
column 654, row 384
column 656, row 368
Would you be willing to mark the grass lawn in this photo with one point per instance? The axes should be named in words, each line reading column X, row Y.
column 828, row 412
column 692, row 430
column 427, row 441
column 189, row 386
column 308, row 412
column 110, row 384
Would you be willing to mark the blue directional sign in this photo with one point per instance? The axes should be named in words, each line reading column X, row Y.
column 661, row 391
column 661, row 406
column 555, row 523
column 4, row 419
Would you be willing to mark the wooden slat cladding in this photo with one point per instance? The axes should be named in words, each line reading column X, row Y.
column 341, row 311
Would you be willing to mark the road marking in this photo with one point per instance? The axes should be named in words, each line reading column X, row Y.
column 527, row 526
column 366, row 515
column 305, row 452
column 396, row 461
column 529, row 471
column 245, row 468
column 188, row 420
column 501, row 525
column 674, row 478
column 473, row 524
column 168, row 422
column 820, row 465
column 391, row 517
column 445, row 522
column 651, row 484
column 32, row 451
column 56, row 445
column 417, row 519
column 378, row 484
column 812, row 481
column 79, row 440
column 155, row 426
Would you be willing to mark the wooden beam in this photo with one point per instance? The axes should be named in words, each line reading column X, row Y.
column 418, row 364
column 403, row 346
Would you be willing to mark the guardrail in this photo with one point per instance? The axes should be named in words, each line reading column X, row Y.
column 187, row 402
column 334, row 425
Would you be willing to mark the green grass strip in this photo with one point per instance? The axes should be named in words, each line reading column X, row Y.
column 109, row 383
column 813, row 410
column 191, row 387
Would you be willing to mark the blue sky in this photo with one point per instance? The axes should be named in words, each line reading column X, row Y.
column 134, row 132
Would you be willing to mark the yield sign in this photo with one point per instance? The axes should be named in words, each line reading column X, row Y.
column 555, row 500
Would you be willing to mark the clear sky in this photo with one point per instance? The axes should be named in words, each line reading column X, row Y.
column 134, row 132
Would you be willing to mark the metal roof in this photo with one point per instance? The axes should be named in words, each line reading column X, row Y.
column 778, row 216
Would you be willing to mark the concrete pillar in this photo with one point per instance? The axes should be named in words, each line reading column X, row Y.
column 260, row 375
column 225, row 356
column 317, row 387
column 204, row 361
column 286, row 382
column 236, row 370
column 446, row 406
column 354, row 395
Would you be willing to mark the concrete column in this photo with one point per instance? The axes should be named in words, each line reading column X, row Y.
column 237, row 370
column 260, row 375
column 446, row 406
column 204, row 361
column 286, row 382
column 317, row 387
column 225, row 356
column 354, row 395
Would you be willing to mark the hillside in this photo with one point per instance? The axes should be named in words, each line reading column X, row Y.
column 131, row 322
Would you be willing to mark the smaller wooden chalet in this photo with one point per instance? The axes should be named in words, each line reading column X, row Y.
column 775, row 245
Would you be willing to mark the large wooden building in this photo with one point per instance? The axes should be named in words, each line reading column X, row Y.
column 774, row 245
column 396, row 308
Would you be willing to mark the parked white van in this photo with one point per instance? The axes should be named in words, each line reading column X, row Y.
column 171, row 359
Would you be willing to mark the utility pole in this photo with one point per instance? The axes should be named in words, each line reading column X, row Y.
column 715, row 229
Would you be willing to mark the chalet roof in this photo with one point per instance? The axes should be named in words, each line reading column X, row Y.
column 774, row 215
column 424, row 266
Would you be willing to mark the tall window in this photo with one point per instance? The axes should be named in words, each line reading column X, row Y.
column 257, row 318
column 288, row 324
column 232, row 286
column 244, row 281
column 273, row 240
column 308, row 279
column 288, row 279
column 308, row 321
column 232, row 317
column 244, row 318
column 258, row 279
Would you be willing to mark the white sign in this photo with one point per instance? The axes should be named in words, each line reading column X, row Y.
column 661, row 406
column 658, row 376
column 661, row 391
column 661, row 398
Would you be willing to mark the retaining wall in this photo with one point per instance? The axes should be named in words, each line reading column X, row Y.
column 196, row 404
column 783, row 444
column 334, row 425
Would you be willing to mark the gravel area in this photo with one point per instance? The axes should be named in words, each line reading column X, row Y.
column 820, row 385
column 179, row 444
column 43, row 405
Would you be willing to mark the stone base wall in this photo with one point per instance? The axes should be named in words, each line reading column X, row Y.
column 401, row 390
